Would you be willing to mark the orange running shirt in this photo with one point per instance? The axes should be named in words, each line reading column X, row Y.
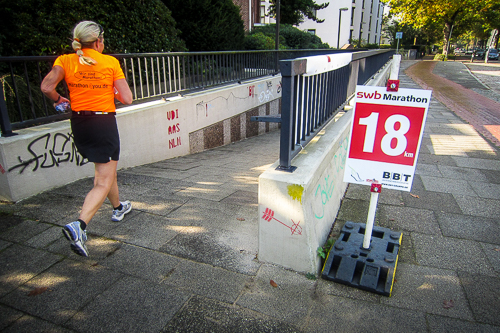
column 91, row 87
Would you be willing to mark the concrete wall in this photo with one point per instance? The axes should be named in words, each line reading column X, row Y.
column 44, row 157
column 297, row 210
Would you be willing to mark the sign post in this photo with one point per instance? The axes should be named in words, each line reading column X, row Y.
column 399, row 35
column 386, row 133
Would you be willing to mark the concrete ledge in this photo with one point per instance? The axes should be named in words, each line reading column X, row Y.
column 44, row 157
column 297, row 210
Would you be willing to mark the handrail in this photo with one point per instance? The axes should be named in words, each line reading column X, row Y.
column 310, row 98
column 150, row 75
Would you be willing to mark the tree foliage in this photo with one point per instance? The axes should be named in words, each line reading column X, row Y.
column 208, row 25
column 294, row 12
column 427, row 35
column 458, row 15
column 43, row 27
column 263, row 38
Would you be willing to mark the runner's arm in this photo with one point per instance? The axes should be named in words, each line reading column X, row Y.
column 50, row 83
column 123, row 92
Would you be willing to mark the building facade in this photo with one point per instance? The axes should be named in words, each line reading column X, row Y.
column 252, row 12
column 346, row 21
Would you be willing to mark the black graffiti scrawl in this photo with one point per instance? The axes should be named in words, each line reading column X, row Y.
column 50, row 151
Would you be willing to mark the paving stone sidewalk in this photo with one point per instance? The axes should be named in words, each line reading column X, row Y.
column 185, row 259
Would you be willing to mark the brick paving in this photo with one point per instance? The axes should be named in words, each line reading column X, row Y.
column 481, row 112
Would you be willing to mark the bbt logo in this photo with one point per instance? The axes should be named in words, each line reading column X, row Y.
column 395, row 176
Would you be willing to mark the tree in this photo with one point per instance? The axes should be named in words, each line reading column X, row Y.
column 262, row 38
column 208, row 25
column 294, row 12
column 425, row 36
column 44, row 27
column 452, row 15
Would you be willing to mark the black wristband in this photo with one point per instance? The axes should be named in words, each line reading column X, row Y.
column 58, row 99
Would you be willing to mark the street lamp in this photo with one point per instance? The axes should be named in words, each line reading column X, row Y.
column 340, row 17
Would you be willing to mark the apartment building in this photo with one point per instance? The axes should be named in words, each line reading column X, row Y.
column 253, row 13
column 345, row 20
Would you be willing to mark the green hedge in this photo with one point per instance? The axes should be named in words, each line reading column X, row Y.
column 44, row 27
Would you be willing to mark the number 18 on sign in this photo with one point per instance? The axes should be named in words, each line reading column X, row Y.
column 386, row 132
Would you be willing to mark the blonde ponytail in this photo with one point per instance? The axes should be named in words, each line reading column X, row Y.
column 84, row 34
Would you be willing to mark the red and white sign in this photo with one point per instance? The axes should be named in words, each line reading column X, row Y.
column 386, row 132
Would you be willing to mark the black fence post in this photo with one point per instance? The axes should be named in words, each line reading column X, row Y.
column 290, row 69
column 4, row 116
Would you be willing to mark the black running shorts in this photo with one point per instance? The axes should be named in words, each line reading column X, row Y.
column 96, row 137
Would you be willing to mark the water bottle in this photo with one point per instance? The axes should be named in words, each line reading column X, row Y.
column 63, row 107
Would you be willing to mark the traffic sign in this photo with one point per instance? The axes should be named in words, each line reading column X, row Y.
column 386, row 133
column 399, row 35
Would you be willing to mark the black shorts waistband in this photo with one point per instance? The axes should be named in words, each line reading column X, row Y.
column 93, row 113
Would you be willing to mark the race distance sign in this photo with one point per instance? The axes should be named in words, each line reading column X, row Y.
column 386, row 132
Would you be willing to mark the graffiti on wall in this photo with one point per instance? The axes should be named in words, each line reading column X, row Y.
column 50, row 151
column 324, row 190
column 263, row 91
column 173, row 128
column 295, row 228
column 265, row 94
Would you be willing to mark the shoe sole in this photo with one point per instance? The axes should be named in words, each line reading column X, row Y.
column 78, row 249
column 123, row 215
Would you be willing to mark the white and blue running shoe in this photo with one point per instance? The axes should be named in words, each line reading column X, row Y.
column 118, row 214
column 74, row 233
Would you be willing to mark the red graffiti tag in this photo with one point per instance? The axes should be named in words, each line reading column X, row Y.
column 295, row 228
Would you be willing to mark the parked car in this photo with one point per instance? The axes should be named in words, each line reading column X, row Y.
column 493, row 54
column 479, row 53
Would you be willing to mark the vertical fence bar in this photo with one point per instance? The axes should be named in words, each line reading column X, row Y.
column 133, row 77
column 164, row 75
column 169, row 89
column 44, row 98
column 147, row 75
column 159, row 74
column 16, row 93
column 5, row 125
column 140, row 77
column 153, row 76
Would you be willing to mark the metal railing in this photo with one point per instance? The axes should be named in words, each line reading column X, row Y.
column 150, row 75
column 309, row 101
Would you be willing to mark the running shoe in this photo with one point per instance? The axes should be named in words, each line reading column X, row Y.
column 118, row 214
column 74, row 233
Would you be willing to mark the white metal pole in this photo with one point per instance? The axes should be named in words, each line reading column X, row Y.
column 370, row 219
column 396, row 62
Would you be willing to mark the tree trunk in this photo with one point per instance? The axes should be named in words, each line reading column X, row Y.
column 447, row 37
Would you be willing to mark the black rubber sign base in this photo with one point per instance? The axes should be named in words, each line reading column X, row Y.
column 370, row 269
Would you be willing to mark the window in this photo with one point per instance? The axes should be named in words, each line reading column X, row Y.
column 368, row 39
column 370, row 24
column 363, row 4
column 312, row 31
column 376, row 27
column 262, row 14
